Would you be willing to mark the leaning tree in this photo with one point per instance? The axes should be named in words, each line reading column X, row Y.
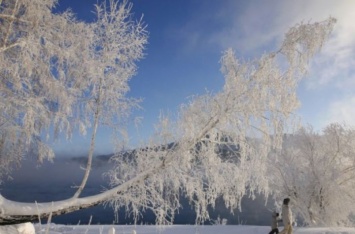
column 58, row 73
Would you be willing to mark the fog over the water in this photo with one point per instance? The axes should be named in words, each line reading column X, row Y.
column 46, row 182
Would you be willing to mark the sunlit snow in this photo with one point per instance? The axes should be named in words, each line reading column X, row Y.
column 174, row 229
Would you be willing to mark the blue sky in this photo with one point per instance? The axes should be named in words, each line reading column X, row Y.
column 187, row 38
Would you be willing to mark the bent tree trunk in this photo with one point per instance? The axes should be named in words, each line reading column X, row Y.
column 44, row 210
column 12, row 212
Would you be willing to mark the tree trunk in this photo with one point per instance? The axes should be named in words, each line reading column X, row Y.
column 12, row 212
column 92, row 143
column 16, row 219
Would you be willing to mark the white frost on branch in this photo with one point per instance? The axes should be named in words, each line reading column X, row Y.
column 39, row 61
column 52, row 79
column 59, row 75
column 218, row 146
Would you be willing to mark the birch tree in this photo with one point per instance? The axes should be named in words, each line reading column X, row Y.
column 317, row 171
column 117, row 44
column 53, row 83
column 50, row 79
column 220, row 141
column 39, row 60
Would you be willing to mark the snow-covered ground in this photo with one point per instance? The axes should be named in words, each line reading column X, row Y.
column 175, row 229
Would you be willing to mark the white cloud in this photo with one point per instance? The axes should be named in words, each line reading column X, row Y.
column 248, row 28
column 253, row 27
column 335, row 65
column 261, row 24
column 341, row 111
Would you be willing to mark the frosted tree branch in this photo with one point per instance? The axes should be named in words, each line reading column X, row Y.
column 219, row 141
column 247, row 117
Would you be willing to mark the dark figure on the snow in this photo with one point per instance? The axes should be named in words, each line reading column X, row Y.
column 286, row 217
column 274, row 223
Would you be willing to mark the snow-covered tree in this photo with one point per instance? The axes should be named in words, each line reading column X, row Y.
column 39, row 58
column 117, row 43
column 50, row 80
column 216, row 147
column 317, row 171
column 60, row 76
